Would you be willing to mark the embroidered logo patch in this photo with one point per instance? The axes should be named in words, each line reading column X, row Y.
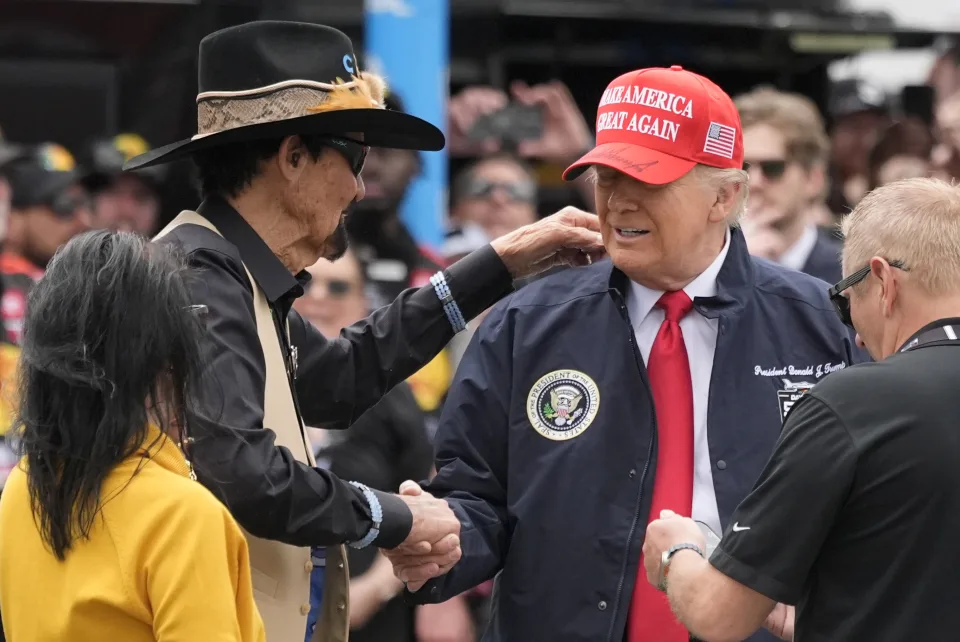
column 562, row 404
column 790, row 395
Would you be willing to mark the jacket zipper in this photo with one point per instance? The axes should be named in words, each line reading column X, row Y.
column 643, row 476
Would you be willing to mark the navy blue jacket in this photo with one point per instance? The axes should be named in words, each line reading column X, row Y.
column 563, row 521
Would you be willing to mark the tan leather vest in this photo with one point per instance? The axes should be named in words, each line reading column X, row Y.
column 281, row 573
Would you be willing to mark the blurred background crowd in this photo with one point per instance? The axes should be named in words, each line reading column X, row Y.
column 836, row 98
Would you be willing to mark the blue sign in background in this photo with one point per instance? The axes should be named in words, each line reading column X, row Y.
column 408, row 42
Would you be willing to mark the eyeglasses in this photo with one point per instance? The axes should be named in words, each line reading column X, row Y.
column 65, row 205
column 354, row 151
column 336, row 288
column 520, row 191
column 842, row 303
column 772, row 170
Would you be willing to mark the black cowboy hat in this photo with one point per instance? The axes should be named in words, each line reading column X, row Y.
column 271, row 79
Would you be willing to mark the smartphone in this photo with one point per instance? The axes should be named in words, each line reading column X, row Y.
column 510, row 125
column 918, row 101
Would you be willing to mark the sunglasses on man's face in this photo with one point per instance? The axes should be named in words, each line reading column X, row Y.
column 336, row 288
column 65, row 205
column 520, row 191
column 841, row 302
column 772, row 170
column 354, row 151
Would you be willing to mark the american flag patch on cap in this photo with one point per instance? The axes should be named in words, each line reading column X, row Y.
column 720, row 140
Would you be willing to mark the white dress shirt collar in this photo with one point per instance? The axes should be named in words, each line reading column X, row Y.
column 642, row 299
column 797, row 254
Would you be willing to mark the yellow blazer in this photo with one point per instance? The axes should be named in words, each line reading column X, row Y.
column 165, row 561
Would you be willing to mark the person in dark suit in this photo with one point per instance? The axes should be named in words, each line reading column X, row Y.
column 785, row 152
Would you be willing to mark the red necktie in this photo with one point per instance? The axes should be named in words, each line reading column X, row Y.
column 651, row 619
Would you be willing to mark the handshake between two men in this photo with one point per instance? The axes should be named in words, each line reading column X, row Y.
column 570, row 237
column 433, row 545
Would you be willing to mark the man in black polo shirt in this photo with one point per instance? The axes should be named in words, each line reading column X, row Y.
column 855, row 519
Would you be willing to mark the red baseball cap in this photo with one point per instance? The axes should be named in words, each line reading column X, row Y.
column 656, row 124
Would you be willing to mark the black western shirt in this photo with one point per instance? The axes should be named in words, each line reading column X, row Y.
column 856, row 517
column 272, row 495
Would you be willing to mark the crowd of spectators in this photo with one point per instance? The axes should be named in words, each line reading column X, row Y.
column 806, row 169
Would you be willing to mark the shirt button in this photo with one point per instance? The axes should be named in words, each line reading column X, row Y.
column 308, row 567
column 633, row 473
column 341, row 606
column 676, row 68
column 602, row 605
column 722, row 465
column 304, row 609
column 339, row 564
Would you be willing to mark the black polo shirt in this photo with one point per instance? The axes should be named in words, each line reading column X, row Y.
column 272, row 495
column 856, row 517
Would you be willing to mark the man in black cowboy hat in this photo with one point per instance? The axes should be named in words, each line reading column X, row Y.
column 285, row 118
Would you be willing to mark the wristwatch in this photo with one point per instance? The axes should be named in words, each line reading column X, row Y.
column 668, row 555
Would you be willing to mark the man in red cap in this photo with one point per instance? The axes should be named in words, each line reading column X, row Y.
column 589, row 401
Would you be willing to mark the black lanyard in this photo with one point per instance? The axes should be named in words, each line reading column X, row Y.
column 946, row 334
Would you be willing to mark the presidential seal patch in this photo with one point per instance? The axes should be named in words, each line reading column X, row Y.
column 562, row 404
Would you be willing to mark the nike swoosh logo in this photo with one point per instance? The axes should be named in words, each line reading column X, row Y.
column 737, row 528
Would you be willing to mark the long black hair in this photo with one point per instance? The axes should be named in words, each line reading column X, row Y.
column 109, row 333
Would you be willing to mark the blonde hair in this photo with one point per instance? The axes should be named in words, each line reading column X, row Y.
column 917, row 221
column 796, row 117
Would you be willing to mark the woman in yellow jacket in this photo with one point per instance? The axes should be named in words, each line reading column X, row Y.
column 105, row 536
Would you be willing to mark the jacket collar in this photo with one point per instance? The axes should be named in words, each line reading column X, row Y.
column 642, row 299
column 269, row 272
column 734, row 281
column 939, row 323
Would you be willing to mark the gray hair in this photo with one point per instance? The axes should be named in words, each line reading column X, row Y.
column 715, row 179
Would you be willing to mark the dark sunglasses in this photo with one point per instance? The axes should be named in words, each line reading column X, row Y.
column 772, row 170
column 842, row 303
column 336, row 288
column 65, row 205
column 520, row 191
column 354, row 151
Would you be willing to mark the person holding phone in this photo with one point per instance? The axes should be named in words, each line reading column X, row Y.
column 590, row 400
column 541, row 122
